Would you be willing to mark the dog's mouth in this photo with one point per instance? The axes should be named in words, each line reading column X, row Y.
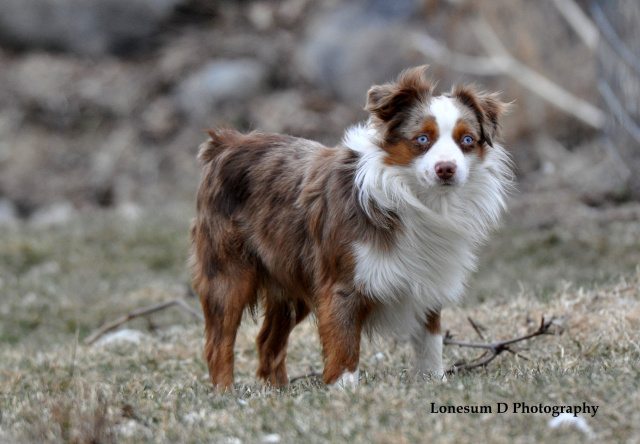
column 438, row 183
column 447, row 182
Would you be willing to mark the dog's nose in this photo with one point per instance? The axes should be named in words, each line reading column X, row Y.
column 445, row 170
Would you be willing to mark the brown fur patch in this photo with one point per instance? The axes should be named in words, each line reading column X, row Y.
column 340, row 320
column 400, row 153
column 433, row 325
column 403, row 151
column 391, row 105
column 431, row 130
column 281, row 316
column 396, row 110
column 460, row 131
column 388, row 100
column 487, row 108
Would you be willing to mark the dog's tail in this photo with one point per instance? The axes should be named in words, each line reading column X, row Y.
column 220, row 139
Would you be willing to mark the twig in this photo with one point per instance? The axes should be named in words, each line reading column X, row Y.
column 432, row 48
column 311, row 374
column 535, row 82
column 495, row 348
column 579, row 22
column 500, row 62
column 476, row 327
column 144, row 311
column 72, row 366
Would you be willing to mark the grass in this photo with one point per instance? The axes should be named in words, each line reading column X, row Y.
column 60, row 283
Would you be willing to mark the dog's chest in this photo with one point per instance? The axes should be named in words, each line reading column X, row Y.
column 426, row 267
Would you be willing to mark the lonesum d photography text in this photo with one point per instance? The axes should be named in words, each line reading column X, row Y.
column 518, row 407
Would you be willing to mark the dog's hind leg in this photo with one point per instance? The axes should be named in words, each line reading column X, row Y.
column 223, row 304
column 282, row 314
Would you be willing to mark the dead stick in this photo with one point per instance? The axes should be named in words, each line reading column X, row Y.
column 476, row 327
column 543, row 329
column 144, row 311
column 579, row 22
column 312, row 374
column 494, row 348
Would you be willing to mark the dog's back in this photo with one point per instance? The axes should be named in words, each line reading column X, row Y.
column 273, row 200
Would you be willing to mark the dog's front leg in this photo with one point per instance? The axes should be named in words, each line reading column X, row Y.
column 341, row 314
column 427, row 344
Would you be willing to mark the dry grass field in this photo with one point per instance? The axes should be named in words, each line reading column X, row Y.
column 58, row 284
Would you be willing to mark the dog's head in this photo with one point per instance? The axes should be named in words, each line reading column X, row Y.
column 439, row 137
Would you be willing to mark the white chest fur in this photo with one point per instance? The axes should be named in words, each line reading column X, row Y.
column 423, row 272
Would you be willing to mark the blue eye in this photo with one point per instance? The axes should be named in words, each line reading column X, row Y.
column 423, row 139
column 468, row 140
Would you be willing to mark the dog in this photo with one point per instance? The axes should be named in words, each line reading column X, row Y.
column 378, row 234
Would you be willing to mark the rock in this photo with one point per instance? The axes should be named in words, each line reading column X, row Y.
column 120, row 336
column 38, row 272
column 261, row 15
column 284, row 112
column 569, row 420
column 293, row 112
column 160, row 119
column 57, row 213
column 590, row 171
column 87, row 27
column 65, row 92
column 357, row 45
column 130, row 211
column 133, row 429
column 220, row 81
column 8, row 213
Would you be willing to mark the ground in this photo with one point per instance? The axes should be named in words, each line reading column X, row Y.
column 61, row 282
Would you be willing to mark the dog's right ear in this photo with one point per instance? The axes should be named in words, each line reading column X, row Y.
column 380, row 101
column 386, row 101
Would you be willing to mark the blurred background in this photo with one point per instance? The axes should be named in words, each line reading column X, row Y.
column 103, row 103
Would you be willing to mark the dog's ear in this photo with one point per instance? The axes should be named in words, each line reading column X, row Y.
column 487, row 107
column 386, row 101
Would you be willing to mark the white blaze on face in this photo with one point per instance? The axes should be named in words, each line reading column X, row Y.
column 445, row 149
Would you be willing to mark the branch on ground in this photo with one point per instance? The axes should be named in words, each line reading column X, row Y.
column 144, row 311
column 311, row 374
column 493, row 349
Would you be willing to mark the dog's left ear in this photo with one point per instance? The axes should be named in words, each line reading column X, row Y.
column 388, row 100
column 487, row 107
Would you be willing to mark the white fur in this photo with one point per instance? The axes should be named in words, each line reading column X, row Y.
column 428, row 354
column 350, row 380
column 445, row 148
column 442, row 226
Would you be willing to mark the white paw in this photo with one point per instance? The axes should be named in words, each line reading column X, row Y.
column 349, row 380
column 434, row 375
